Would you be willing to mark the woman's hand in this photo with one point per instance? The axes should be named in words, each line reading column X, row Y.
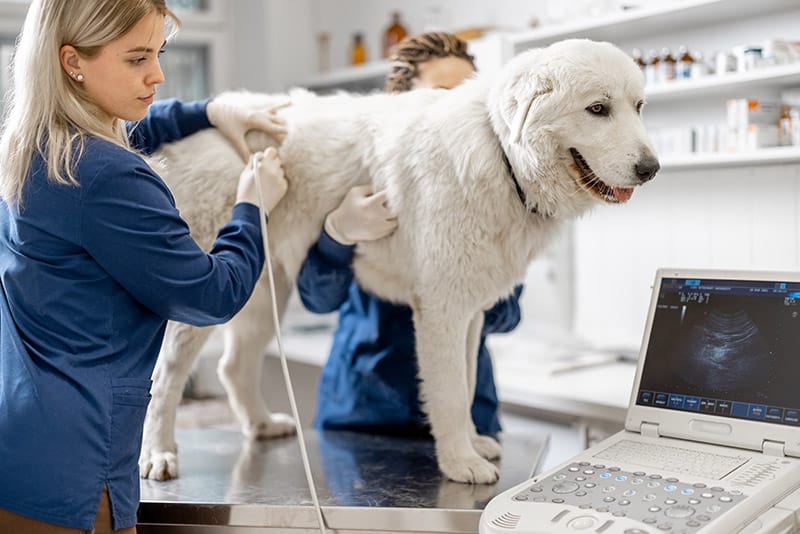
column 268, row 169
column 234, row 121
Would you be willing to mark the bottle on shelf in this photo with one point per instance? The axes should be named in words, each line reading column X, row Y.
column 324, row 51
column 358, row 51
column 667, row 65
column 683, row 67
column 636, row 54
column 699, row 66
column 785, row 126
column 652, row 71
column 393, row 34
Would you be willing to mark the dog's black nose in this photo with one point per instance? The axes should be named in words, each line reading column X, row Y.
column 646, row 168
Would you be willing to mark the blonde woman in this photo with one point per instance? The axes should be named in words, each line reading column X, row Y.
column 369, row 382
column 95, row 258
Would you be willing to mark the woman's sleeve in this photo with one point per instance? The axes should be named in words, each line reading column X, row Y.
column 167, row 120
column 504, row 316
column 325, row 276
column 130, row 226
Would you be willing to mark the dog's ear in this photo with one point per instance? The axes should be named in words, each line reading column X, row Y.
column 521, row 89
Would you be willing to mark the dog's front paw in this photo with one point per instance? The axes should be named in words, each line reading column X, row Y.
column 469, row 468
column 278, row 424
column 487, row 447
column 158, row 465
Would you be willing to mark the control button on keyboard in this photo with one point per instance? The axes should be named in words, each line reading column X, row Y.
column 670, row 487
column 725, row 498
column 590, row 485
column 574, row 469
column 609, row 499
column 624, row 502
column 654, row 509
column 649, row 497
column 521, row 497
column 621, row 478
column 634, row 531
column 671, row 479
column 558, row 501
column 599, row 466
column 699, row 485
column 702, row 518
column 649, row 520
column 584, row 506
column 584, row 463
column 609, row 489
column 619, row 513
column 637, row 481
column 717, row 488
column 580, row 478
column 539, row 499
column 687, row 491
column 614, row 469
column 639, row 473
column 605, row 475
column 629, row 493
column 707, row 495
column 580, row 493
column 602, row 509
column 536, row 489
column 565, row 487
column 735, row 492
column 583, row 522
column 713, row 508
column 680, row 511
column 670, row 501
column 655, row 477
column 560, row 476
column 664, row 526
column 694, row 501
column 693, row 523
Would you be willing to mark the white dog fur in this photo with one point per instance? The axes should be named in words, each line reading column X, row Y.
column 464, row 237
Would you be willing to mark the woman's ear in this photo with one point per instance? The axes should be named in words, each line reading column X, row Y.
column 70, row 60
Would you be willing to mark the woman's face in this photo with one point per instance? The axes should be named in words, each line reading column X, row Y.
column 121, row 80
column 442, row 72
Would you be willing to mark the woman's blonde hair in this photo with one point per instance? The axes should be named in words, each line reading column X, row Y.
column 409, row 53
column 46, row 111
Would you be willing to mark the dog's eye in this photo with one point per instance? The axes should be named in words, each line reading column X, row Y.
column 598, row 109
column 639, row 106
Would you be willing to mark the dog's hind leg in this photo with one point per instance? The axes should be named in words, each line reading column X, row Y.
column 441, row 336
column 246, row 337
column 158, row 459
column 485, row 445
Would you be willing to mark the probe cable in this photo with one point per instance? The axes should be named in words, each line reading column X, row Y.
column 284, row 366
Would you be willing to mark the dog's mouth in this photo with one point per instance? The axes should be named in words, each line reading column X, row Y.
column 590, row 182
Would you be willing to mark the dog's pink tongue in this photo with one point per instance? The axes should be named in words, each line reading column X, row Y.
column 623, row 194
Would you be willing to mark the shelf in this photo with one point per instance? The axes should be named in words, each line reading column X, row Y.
column 635, row 23
column 712, row 85
column 767, row 156
column 349, row 76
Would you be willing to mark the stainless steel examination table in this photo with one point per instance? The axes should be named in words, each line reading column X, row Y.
column 365, row 483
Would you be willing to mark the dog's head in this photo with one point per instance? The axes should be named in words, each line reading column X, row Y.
column 569, row 119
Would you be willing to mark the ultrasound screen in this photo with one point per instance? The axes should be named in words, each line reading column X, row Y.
column 728, row 348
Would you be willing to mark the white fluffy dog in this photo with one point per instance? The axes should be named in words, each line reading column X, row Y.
column 480, row 177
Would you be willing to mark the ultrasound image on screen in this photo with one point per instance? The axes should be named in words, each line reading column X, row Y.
column 726, row 348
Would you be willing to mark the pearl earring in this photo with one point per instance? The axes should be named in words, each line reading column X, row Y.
column 79, row 77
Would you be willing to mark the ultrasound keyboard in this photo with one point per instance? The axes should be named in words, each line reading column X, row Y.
column 657, row 503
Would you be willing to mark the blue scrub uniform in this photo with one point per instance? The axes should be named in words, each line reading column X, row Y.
column 89, row 276
column 369, row 381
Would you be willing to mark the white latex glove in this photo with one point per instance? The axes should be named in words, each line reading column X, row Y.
column 236, row 120
column 362, row 216
column 273, row 182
